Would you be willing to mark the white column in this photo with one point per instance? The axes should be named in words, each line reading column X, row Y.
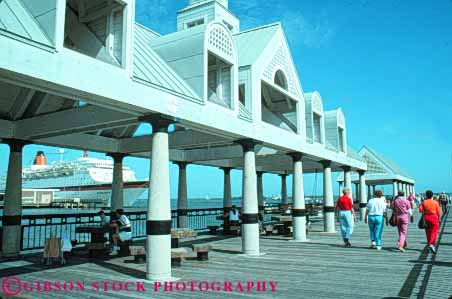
column 284, row 198
column 395, row 188
column 117, row 187
column 362, row 196
column 182, row 197
column 299, row 208
column 250, row 224
column 348, row 179
column 158, row 226
column 328, row 200
column 260, row 194
column 12, row 210
column 414, row 190
column 227, row 197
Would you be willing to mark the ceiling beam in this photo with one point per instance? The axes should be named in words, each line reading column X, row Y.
column 6, row 128
column 177, row 140
column 77, row 120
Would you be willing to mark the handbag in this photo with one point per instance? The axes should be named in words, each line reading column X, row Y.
column 393, row 219
column 422, row 224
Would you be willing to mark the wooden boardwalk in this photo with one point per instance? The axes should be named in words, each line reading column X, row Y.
column 322, row 268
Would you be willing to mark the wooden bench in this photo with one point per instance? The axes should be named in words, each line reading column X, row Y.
column 234, row 230
column 176, row 256
column 268, row 230
column 139, row 253
column 202, row 251
column 124, row 247
column 279, row 229
column 213, row 229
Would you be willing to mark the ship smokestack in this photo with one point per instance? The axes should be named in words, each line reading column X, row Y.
column 40, row 159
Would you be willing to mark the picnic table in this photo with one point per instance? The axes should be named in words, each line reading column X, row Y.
column 181, row 233
column 97, row 244
column 285, row 220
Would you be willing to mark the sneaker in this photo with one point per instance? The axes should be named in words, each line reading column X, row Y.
column 378, row 247
column 402, row 249
column 348, row 244
column 373, row 245
column 432, row 249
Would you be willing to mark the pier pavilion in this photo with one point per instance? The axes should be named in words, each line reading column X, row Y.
column 84, row 75
column 381, row 171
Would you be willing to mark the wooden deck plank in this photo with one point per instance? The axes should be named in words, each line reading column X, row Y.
column 322, row 268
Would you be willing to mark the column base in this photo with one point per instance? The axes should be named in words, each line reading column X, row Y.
column 300, row 241
column 252, row 255
column 158, row 278
column 329, row 232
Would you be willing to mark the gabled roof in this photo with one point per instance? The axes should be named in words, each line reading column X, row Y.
column 149, row 67
column 251, row 43
column 17, row 20
column 380, row 163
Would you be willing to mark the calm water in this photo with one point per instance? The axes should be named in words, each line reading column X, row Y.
column 194, row 203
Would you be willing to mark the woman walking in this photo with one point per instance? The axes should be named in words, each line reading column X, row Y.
column 401, row 209
column 375, row 215
column 432, row 215
column 346, row 215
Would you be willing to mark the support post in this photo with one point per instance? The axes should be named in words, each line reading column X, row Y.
column 117, row 187
column 182, row 196
column 12, row 210
column 250, row 223
column 362, row 195
column 370, row 193
column 260, row 194
column 227, row 197
column 284, row 198
column 328, row 200
column 348, row 179
column 158, row 226
column 299, row 208
column 395, row 188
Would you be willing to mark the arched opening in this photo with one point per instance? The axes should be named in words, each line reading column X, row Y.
column 280, row 79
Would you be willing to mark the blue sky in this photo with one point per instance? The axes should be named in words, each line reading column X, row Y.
column 387, row 63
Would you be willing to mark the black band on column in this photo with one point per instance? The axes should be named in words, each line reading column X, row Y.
column 12, row 220
column 15, row 145
column 296, row 156
column 159, row 122
column 117, row 157
column 299, row 213
column 182, row 212
column 226, row 170
column 250, row 218
column 346, row 168
column 248, row 145
column 325, row 163
column 261, row 208
column 362, row 205
column 158, row 227
column 328, row 209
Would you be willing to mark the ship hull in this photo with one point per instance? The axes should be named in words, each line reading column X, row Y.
column 101, row 193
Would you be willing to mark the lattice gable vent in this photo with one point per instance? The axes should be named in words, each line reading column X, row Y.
column 317, row 104
column 220, row 42
column 282, row 61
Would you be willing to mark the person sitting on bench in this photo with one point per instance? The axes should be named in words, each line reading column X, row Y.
column 233, row 216
column 124, row 231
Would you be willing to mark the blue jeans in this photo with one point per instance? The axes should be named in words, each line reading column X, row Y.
column 376, row 228
column 346, row 221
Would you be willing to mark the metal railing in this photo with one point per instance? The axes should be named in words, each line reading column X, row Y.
column 37, row 228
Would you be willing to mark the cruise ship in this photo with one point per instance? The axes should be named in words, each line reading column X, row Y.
column 86, row 179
